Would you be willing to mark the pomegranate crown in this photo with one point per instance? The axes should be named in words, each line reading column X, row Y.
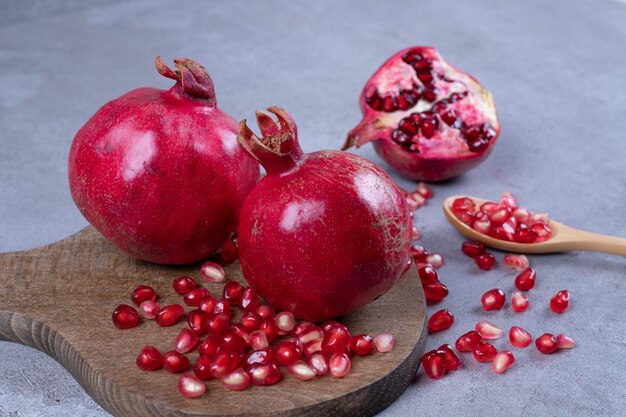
column 193, row 78
column 278, row 150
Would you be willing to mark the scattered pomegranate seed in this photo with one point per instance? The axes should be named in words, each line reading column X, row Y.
column 287, row 352
column 488, row 330
column 546, row 343
column 451, row 362
column 229, row 251
column 223, row 363
column 473, row 249
column 265, row 311
column 519, row 337
column 302, row 370
column 502, row 361
column 149, row 359
column 250, row 322
column 202, row 368
column 435, row 292
column 424, row 190
column 186, row 341
column 311, row 333
column 518, row 262
column 194, row 297
column 237, row 380
column 362, row 344
column 149, row 309
column 207, row 305
column 486, row 261
column 175, row 362
column 435, row 259
column 210, row 345
column 218, row 323
column 526, row 279
column 560, row 302
column 285, row 321
column 312, row 347
column 212, row 272
column 484, row 352
column 519, row 302
column 190, row 386
column 249, row 300
column 234, row 340
column 270, row 328
column 415, row 233
column 384, row 342
column 233, row 292
column 198, row 321
column 564, row 342
column 339, row 365
column 439, row 321
column 169, row 315
column 428, row 275
column 336, row 340
column 222, row 306
column 183, row 285
column 433, row 364
column 265, row 374
column 319, row 362
column 258, row 340
column 418, row 253
column 493, row 299
column 125, row 316
column 143, row 293
column 468, row 341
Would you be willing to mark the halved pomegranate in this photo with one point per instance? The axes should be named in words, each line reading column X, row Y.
column 427, row 119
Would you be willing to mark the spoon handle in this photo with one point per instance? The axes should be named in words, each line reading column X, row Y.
column 581, row 240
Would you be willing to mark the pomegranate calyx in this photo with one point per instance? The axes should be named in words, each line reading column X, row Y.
column 366, row 131
column 278, row 150
column 191, row 77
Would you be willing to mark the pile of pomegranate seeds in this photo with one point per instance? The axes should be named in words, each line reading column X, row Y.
column 241, row 349
column 503, row 220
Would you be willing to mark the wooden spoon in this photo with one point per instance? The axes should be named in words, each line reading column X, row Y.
column 564, row 238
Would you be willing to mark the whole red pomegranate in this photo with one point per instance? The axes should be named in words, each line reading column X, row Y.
column 427, row 119
column 323, row 233
column 159, row 173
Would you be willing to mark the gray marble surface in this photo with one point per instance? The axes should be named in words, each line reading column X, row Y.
column 557, row 70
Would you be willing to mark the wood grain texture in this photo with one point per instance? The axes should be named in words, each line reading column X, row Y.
column 59, row 299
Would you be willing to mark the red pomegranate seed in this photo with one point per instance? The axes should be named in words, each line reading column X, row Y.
column 218, row 323
column 435, row 259
column 265, row 311
column 424, row 190
column 560, row 302
column 312, row 347
column 287, row 352
column 240, row 331
column 493, row 299
column 415, row 233
column 502, row 361
column 270, row 328
column 519, row 302
column 339, row 365
column 336, row 340
column 143, row 293
column 237, row 380
column 564, row 342
column 258, row 340
column 208, row 305
column 526, row 279
column 262, row 356
column 229, row 251
column 484, row 352
column 486, row 261
column 249, row 300
column 435, row 292
column 223, row 363
column 519, row 337
column 149, row 309
column 311, row 333
column 488, row 330
column 473, row 249
column 265, row 374
column 194, row 297
column 125, row 316
column 250, row 322
column 428, row 275
column 233, row 292
column 210, row 345
column 186, row 341
column 212, row 272
column 439, row 321
column 182, row 285
column 285, row 321
column 302, row 370
column 190, row 386
column 463, row 205
column 433, row 364
column 451, row 361
column 407, row 266
column 301, row 326
column 362, row 344
column 222, row 306
column 412, row 203
column 198, row 321
column 169, row 315
column 319, row 362
column 418, row 253
column 202, row 368
column 468, row 341
column 234, row 340
column 149, row 359
column 384, row 342
column 519, row 262
column 546, row 343
column 175, row 362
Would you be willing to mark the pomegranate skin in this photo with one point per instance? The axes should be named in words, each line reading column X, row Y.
column 443, row 152
column 322, row 234
column 159, row 172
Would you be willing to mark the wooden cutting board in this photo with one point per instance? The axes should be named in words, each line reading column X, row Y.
column 59, row 299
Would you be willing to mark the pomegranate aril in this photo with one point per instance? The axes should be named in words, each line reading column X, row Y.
column 149, row 359
column 525, row 235
column 208, row 305
column 439, row 321
column 546, row 343
column 519, row 262
column 265, row 310
column 339, row 365
column 526, row 279
column 198, row 321
column 560, row 302
column 519, row 337
column 250, row 322
column 229, row 251
column 202, row 368
column 435, row 292
column 212, row 272
column 564, row 342
column 473, row 249
column 148, row 309
column 428, row 275
column 468, row 341
column 319, row 362
column 493, row 299
column 415, row 234
column 125, row 316
column 435, row 260
column 384, row 342
column 234, row 341
column 218, row 323
column 175, row 362
column 262, row 356
column 186, row 341
column 451, row 361
column 311, row 333
column 433, row 364
column 488, row 330
column 362, row 344
column 484, row 352
column 418, row 253
column 237, row 380
column 270, row 328
column 222, row 306
column 502, row 361
column 240, row 330
column 336, row 340
column 285, row 321
column 143, row 293
column 210, row 345
column 183, row 285
column 249, row 300
column 190, row 386
column 223, row 363
column 287, row 352
column 258, row 340
column 312, row 347
column 194, row 297
column 302, row 370
column 486, row 261
column 169, row 315
column 519, row 302
column 265, row 374
column 233, row 292
column 542, row 230
column 462, row 205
